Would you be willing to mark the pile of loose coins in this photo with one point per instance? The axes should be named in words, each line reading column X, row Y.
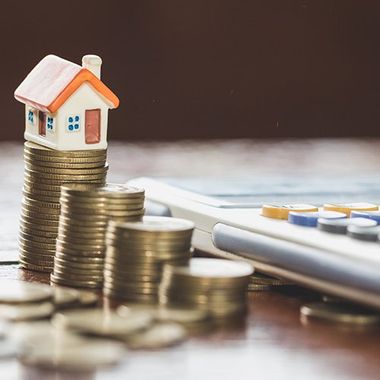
column 85, row 213
column 136, row 253
column 213, row 285
column 45, row 171
column 358, row 220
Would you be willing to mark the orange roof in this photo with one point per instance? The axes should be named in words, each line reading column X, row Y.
column 54, row 79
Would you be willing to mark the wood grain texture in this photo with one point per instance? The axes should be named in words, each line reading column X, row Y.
column 274, row 342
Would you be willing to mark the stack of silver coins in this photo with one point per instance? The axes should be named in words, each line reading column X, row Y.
column 216, row 286
column 45, row 171
column 137, row 252
column 85, row 213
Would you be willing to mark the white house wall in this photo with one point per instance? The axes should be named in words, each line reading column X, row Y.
column 84, row 98
column 32, row 132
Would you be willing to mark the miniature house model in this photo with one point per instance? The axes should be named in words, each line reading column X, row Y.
column 66, row 105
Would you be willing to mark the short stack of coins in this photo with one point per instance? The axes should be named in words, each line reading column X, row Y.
column 137, row 252
column 260, row 282
column 45, row 171
column 85, row 213
column 215, row 285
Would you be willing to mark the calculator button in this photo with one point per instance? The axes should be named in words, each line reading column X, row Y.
column 282, row 211
column 339, row 226
column 374, row 215
column 348, row 207
column 310, row 219
column 363, row 233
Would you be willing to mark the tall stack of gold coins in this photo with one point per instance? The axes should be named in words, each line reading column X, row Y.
column 85, row 212
column 213, row 285
column 137, row 252
column 45, row 171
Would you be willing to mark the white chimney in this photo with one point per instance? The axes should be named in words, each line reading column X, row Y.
column 93, row 63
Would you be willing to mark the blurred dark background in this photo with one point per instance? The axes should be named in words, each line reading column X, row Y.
column 208, row 68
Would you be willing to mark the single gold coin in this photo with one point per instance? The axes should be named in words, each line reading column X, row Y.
column 158, row 336
column 282, row 211
column 346, row 208
column 341, row 312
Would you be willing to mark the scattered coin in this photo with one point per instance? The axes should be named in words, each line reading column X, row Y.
column 87, row 298
column 14, row 292
column 186, row 317
column 87, row 354
column 64, row 297
column 158, row 336
column 102, row 323
column 341, row 312
column 23, row 312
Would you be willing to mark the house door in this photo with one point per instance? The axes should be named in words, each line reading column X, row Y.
column 92, row 126
column 42, row 123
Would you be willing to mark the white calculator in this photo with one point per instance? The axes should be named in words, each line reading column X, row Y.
column 229, row 223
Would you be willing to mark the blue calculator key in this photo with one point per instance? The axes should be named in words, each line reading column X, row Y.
column 363, row 233
column 339, row 226
column 310, row 219
column 374, row 215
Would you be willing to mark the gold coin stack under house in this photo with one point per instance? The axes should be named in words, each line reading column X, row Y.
column 45, row 171
column 137, row 252
column 214, row 285
column 85, row 213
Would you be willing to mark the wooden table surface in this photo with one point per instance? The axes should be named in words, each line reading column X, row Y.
column 274, row 342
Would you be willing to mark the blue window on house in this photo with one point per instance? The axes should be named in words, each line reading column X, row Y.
column 49, row 124
column 31, row 117
column 73, row 124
